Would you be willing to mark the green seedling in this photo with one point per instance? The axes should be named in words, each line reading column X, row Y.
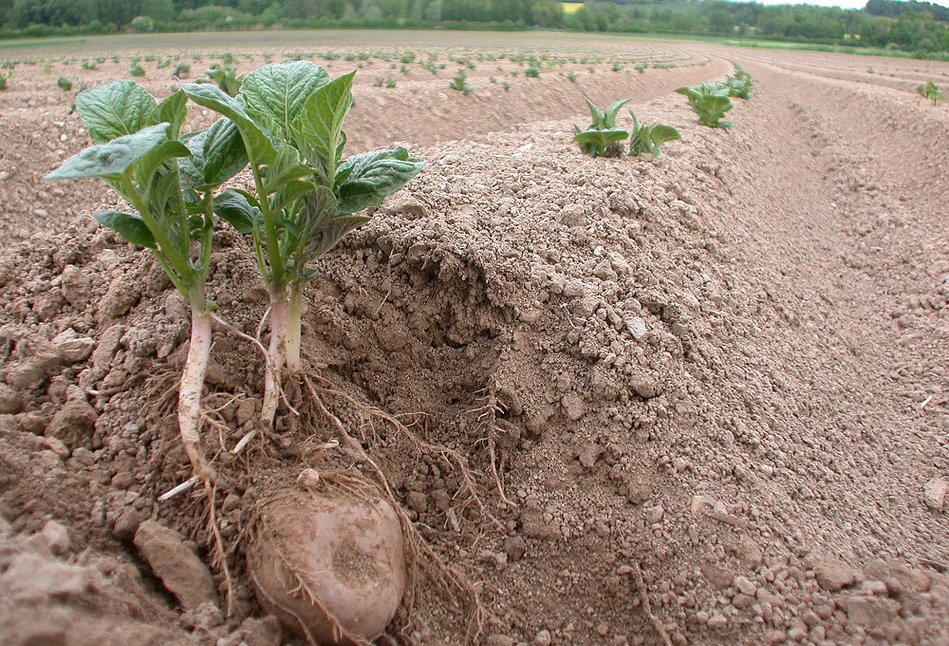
column 181, row 70
column 710, row 102
column 572, row 77
column 224, row 77
column 931, row 92
column 740, row 85
column 136, row 70
column 460, row 83
column 648, row 139
column 64, row 84
column 532, row 72
column 602, row 138
column 169, row 179
column 3, row 80
column 306, row 196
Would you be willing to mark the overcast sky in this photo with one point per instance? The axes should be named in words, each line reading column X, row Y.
column 846, row 4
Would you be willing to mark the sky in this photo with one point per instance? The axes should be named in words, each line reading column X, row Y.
column 846, row 4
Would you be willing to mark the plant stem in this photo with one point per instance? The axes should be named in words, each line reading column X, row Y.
column 279, row 318
column 270, row 230
column 192, row 383
column 294, row 329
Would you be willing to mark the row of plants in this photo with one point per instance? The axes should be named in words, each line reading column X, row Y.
column 709, row 101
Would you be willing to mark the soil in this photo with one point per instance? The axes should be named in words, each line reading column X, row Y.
column 713, row 385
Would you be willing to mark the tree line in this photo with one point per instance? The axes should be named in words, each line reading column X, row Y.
column 889, row 26
column 918, row 27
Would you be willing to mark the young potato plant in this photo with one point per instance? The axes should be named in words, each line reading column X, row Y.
column 648, row 139
column 741, row 84
column 460, row 83
column 169, row 179
column 225, row 77
column 710, row 102
column 306, row 196
column 602, row 138
column 931, row 92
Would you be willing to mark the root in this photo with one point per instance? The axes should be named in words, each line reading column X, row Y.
column 647, row 606
column 468, row 483
column 446, row 577
column 220, row 554
column 487, row 417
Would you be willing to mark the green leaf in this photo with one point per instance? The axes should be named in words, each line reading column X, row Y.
column 154, row 162
column 287, row 167
column 128, row 225
column 115, row 109
column 173, row 109
column 598, row 142
column 275, row 93
column 284, row 197
column 217, row 154
column 363, row 181
column 259, row 148
column 321, row 226
column 236, row 208
column 317, row 129
column 609, row 115
column 112, row 160
column 661, row 133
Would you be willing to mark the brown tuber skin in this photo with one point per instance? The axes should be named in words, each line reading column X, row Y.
column 331, row 568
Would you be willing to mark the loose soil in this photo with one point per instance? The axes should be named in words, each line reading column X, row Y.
column 713, row 385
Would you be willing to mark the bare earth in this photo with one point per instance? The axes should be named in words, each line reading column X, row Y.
column 726, row 368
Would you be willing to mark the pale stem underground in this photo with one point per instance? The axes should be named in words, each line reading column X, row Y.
column 189, row 394
column 279, row 320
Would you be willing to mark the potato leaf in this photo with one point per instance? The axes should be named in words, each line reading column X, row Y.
column 238, row 209
column 275, row 93
column 173, row 109
column 217, row 154
column 259, row 148
column 365, row 180
column 597, row 143
column 112, row 160
column 128, row 225
column 317, row 129
column 115, row 109
column 321, row 226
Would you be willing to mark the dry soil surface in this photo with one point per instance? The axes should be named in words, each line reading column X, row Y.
column 702, row 398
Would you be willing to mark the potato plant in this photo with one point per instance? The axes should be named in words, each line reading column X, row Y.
column 931, row 92
column 460, row 83
column 306, row 196
column 648, row 138
column 741, row 84
column 602, row 138
column 169, row 179
column 710, row 102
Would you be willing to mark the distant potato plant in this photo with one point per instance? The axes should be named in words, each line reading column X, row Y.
column 710, row 102
column 604, row 139
column 931, row 91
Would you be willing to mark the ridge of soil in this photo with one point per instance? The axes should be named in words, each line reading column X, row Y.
column 725, row 368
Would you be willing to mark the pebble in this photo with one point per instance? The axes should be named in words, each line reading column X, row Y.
column 498, row 640
column 543, row 638
column 833, row 575
column 717, row 621
column 934, row 494
column 181, row 572
column 745, row 586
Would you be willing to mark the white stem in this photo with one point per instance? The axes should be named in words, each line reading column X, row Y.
column 277, row 352
column 189, row 393
column 294, row 331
